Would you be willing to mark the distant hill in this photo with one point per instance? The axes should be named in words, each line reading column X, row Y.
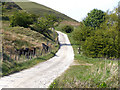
column 42, row 10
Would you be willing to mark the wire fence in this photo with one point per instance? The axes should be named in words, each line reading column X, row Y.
column 23, row 54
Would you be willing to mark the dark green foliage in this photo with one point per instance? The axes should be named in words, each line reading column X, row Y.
column 41, row 26
column 102, row 44
column 34, row 17
column 22, row 19
column 101, row 41
column 103, row 85
column 94, row 18
column 82, row 33
column 3, row 3
column 5, row 68
column 6, row 18
column 67, row 28
column 44, row 23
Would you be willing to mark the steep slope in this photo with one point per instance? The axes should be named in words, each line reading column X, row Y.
column 42, row 10
column 22, row 45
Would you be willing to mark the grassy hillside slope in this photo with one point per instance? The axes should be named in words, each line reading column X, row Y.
column 42, row 10
column 23, row 47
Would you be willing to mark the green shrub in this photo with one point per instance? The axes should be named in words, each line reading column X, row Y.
column 5, row 68
column 44, row 23
column 101, row 41
column 67, row 28
column 80, row 34
column 4, row 17
column 101, row 45
column 22, row 19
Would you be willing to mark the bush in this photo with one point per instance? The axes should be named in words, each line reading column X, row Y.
column 67, row 28
column 22, row 19
column 101, row 41
column 102, row 44
column 81, row 33
column 44, row 23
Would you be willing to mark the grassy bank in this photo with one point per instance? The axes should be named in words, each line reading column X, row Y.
column 19, row 41
column 10, row 65
column 9, row 68
column 88, row 72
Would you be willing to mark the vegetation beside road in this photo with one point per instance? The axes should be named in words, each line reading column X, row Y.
column 13, row 67
column 88, row 72
column 19, row 35
column 91, row 68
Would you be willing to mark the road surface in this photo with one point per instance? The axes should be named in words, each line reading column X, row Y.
column 43, row 74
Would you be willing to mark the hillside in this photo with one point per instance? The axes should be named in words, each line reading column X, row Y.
column 23, row 47
column 42, row 10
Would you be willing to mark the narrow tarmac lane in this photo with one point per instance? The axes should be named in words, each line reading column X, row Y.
column 43, row 74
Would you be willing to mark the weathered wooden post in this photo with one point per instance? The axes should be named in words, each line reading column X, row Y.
column 10, row 53
column 40, row 51
column 34, row 49
column 2, row 53
column 30, row 55
column 25, row 55
column 78, row 50
column 19, row 54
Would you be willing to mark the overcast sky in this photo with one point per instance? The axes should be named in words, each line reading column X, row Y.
column 78, row 9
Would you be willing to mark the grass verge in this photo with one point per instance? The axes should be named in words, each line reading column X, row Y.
column 88, row 72
column 13, row 67
column 19, row 37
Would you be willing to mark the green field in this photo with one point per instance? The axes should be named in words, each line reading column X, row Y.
column 42, row 10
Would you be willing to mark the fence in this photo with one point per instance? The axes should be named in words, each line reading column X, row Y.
column 24, row 54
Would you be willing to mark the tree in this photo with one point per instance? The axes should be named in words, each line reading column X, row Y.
column 94, row 18
column 22, row 18
column 53, row 20
column 81, row 33
column 44, row 23
column 100, row 41
column 104, row 41
column 67, row 28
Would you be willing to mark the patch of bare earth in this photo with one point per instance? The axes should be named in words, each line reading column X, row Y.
column 70, row 23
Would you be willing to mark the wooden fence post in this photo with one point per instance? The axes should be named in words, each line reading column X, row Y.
column 78, row 50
